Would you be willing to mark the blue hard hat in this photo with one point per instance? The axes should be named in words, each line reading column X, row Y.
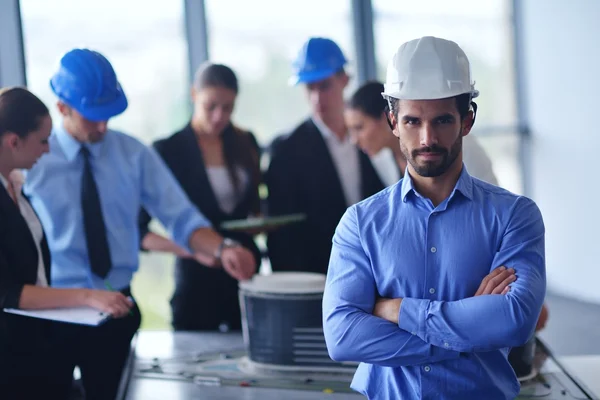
column 318, row 59
column 86, row 81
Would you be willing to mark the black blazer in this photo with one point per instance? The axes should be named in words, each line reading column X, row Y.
column 302, row 179
column 18, row 267
column 204, row 297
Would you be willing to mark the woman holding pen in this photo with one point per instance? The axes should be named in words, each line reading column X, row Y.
column 29, row 350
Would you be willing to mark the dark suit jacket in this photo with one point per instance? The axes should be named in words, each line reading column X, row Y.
column 19, row 336
column 204, row 297
column 302, row 179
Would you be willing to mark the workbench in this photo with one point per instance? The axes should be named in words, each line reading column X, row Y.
column 151, row 348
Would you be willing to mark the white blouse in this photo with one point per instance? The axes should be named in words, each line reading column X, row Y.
column 16, row 180
column 223, row 188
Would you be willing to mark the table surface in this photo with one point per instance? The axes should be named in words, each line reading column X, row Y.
column 167, row 344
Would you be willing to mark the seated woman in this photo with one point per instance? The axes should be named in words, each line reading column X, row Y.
column 217, row 165
column 367, row 122
column 30, row 351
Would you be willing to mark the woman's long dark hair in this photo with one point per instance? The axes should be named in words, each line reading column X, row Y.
column 368, row 99
column 239, row 147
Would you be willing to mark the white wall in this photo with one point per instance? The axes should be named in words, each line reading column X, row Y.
column 562, row 78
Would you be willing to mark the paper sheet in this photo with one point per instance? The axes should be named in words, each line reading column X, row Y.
column 78, row 315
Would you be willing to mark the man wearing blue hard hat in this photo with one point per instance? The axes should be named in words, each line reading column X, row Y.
column 88, row 192
column 315, row 169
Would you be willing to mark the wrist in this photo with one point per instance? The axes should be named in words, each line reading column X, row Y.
column 225, row 244
column 84, row 296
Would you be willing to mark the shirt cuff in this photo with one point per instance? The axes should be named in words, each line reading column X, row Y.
column 183, row 237
column 411, row 317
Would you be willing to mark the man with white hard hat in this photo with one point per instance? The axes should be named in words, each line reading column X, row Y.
column 432, row 280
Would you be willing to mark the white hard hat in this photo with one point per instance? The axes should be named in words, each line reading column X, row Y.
column 428, row 68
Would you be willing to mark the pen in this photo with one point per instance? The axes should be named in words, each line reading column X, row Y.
column 109, row 287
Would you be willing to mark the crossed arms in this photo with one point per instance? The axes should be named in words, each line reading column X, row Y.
column 415, row 331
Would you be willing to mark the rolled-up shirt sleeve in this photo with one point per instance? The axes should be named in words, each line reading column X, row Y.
column 165, row 199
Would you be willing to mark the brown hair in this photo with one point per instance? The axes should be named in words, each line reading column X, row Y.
column 239, row 147
column 20, row 111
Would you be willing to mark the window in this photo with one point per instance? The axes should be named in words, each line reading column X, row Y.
column 259, row 39
column 483, row 29
column 145, row 42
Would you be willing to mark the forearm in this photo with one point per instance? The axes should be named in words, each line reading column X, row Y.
column 353, row 335
column 155, row 242
column 480, row 323
column 36, row 297
column 205, row 241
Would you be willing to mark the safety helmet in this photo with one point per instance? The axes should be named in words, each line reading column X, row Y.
column 86, row 81
column 318, row 59
column 428, row 68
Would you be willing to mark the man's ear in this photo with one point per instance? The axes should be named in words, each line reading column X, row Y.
column 393, row 123
column 345, row 79
column 64, row 109
column 468, row 122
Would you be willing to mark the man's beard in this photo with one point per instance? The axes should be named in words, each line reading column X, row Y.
column 430, row 169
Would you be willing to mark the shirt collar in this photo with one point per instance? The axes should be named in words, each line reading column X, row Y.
column 326, row 132
column 464, row 185
column 71, row 147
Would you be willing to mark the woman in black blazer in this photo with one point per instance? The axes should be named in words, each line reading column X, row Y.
column 29, row 350
column 217, row 165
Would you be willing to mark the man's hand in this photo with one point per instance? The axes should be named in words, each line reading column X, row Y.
column 542, row 319
column 204, row 259
column 387, row 309
column 497, row 281
column 238, row 262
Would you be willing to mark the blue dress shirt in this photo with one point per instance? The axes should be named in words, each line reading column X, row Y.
column 447, row 344
column 128, row 175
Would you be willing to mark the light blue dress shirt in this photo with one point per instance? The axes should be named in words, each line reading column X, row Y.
column 447, row 344
column 128, row 175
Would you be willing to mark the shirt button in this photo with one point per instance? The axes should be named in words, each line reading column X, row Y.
column 433, row 249
column 427, row 368
column 446, row 344
column 432, row 290
column 414, row 333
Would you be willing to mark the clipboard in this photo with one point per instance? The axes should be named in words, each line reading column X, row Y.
column 75, row 315
column 262, row 224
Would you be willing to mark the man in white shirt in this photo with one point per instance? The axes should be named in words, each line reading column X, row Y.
column 316, row 170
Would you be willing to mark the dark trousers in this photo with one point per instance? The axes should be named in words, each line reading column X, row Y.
column 27, row 376
column 100, row 352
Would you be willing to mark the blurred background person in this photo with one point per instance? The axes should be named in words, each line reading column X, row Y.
column 29, row 350
column 367, row 123
column 217, row 165
column 316, row 170
column 88, row 192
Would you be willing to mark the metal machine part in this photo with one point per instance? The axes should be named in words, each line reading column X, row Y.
column 234, row 368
